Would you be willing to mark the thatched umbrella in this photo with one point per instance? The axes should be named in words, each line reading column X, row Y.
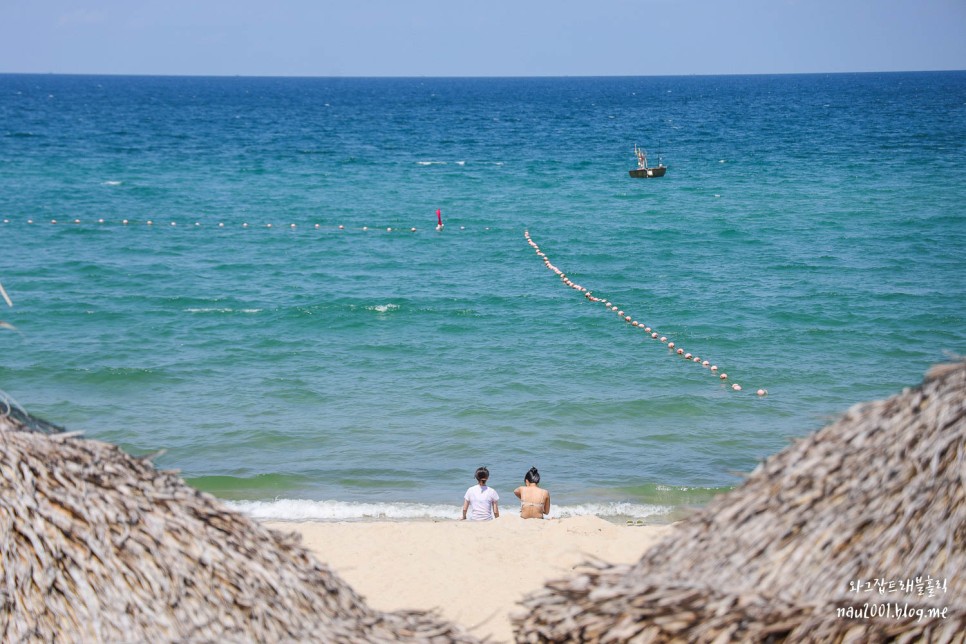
column 794, row 553
column 98, row 546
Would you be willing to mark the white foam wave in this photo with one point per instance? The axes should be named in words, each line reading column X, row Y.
column 383, row 308
column 306, row 510
column 613, row 510
column 430, row 163
column 112, row 183
column 221, row 310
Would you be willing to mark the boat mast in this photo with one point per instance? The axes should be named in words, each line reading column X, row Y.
column 641, row 157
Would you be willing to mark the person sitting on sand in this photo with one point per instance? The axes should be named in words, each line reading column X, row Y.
column 534, row 500
column 480, row 499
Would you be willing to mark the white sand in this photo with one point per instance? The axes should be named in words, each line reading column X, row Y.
column 474, row 573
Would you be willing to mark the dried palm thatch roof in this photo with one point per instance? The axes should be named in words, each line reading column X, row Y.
column 98, row 546
column 878, row 494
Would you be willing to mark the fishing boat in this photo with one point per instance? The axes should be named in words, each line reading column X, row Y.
column 644, row 172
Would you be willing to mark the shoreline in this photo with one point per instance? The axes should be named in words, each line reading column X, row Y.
column 473, row 573
column 297, row 510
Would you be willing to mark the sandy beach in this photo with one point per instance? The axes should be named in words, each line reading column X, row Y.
column 472, row 572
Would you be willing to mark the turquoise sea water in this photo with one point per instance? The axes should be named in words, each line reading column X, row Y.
column 809, row 238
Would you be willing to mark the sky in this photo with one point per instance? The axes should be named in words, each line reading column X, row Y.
column 473, row 38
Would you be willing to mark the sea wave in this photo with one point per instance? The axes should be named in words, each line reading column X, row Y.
column 308, row 510
column 383, row 308
column 220, row 310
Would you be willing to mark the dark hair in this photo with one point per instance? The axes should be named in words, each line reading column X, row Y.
column 482, row 473
column 533, row 476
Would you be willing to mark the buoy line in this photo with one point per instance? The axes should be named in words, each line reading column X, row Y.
column 199, row 224
column 654, row 334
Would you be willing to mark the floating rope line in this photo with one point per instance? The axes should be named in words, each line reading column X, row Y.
column 6, row 298
column 198, row 224
column 627, row 318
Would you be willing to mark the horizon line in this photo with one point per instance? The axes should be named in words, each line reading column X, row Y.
column 480, row 76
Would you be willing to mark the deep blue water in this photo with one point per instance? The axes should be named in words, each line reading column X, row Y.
column 809, row 238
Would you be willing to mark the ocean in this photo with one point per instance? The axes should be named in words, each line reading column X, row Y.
column 243, row 277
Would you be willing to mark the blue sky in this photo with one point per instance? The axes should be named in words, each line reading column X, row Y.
column 494, row 38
